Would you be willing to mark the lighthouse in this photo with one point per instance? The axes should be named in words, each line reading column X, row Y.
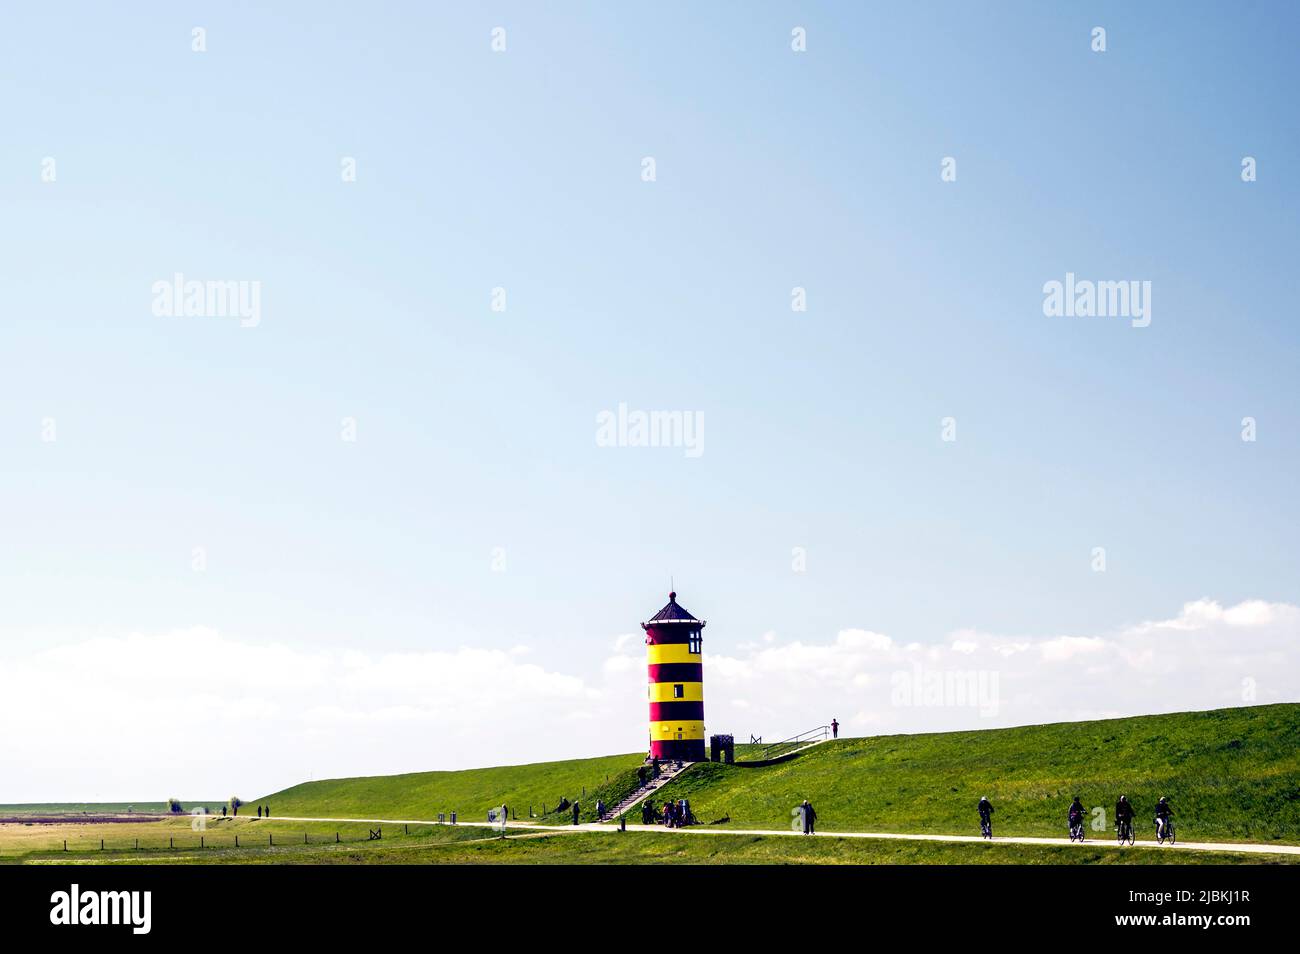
column 675, row 664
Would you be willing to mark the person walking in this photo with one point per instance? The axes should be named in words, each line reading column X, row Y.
column 809, row 818
column 575, row 813
column 259, row 811
column 835, row 729
column 600, row 809
column 268, row 811
column 640, row 777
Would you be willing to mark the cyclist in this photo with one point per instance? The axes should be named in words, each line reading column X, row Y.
column 1124, row 813
column 1163, row 814
column 986, row 811
column 1077, row 812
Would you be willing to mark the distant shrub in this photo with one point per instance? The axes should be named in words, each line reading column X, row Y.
column 174, row 806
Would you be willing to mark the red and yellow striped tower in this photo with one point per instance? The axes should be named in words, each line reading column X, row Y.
column 675, row 658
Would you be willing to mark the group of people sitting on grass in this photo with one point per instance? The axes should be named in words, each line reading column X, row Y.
column 674, row 815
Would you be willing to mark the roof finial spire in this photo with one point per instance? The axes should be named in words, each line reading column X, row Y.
column 672, row 591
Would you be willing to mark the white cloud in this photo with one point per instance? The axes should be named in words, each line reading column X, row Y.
column 1065, row 648
column 196, row 713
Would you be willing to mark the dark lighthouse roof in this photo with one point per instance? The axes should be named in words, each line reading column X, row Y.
column 673, row 613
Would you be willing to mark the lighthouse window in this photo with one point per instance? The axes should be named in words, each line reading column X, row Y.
column 679, row 690
column 695, row 643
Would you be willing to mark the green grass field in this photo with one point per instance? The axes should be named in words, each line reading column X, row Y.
column 168, row 835
column 422, row 795
column 466, row 845
column 1231, row 774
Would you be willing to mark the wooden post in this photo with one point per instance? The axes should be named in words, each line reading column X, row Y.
column 304, row 838
column 171, row 842
column 236, row 841
column 406, row 829
column 270, row 839
column 336, row 838
column 101, row 844
column 201, row 842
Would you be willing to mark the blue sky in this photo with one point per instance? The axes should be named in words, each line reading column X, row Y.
column 522, row 169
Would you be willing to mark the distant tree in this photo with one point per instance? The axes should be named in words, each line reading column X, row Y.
column 235, row 802
column 174, row 806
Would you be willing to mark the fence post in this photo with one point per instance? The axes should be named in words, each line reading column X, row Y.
column 101, row 844
column 336, row 838
column 201, row 843
column 171, row 842
column 304, row 838
column 270, row 839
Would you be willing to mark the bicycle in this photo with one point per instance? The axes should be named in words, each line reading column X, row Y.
column 986, row 826
column 1125, row 829
column 1165, row 832
column 1076, row 829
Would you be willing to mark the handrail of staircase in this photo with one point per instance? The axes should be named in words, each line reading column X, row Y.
column 824, row 731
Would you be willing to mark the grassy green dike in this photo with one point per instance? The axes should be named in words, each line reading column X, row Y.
column 1232, row 775
column 422, row 795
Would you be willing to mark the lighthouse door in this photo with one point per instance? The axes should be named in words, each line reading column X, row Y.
column 679, row 732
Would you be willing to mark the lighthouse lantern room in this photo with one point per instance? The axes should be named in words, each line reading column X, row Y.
column 675, row 661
